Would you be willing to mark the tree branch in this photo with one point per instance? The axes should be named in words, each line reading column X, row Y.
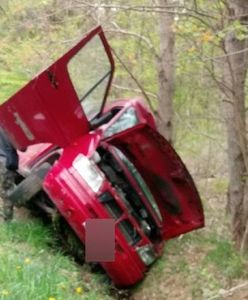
column 134, row 34
column 124, row 88
column 169, row 9
column 136, row 81
column 226, row 293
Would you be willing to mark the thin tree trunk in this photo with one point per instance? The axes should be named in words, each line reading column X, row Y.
column 234, row 75
column 166, row 70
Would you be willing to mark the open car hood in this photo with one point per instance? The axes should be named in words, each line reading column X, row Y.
column 48, row 108
column 166, row 175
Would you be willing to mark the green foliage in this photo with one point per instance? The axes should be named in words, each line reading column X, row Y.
column 227, row 259
column 33, row 233
column 31, row 270
column 32, row 36
column 220, row 185
column 133, row 48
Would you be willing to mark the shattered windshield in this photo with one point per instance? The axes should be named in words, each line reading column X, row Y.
column 127, row 120
column 89, row 71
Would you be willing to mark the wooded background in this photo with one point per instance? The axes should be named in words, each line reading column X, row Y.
column 187, row 59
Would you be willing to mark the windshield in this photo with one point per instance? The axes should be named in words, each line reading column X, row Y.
column 89, row 71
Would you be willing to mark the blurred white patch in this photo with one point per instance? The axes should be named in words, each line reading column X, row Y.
column 39, row 116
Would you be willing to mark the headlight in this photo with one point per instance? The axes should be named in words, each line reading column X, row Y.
column 89, row 172
column 147, row 254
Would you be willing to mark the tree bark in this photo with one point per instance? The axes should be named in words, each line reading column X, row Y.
column 166, row 70
column 234, row 76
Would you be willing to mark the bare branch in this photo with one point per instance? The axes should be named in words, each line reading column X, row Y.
column 133, row 34
column 3, row 10
column 119, row 87
column 226, row 293
column 192, row 130
column 169, row 9
column 136, row 81
column 229, row 54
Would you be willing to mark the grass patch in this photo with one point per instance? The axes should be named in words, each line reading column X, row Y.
column 33, row 233
column 227, row 260
column 30, row 269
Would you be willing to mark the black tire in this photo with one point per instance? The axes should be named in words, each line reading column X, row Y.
column 30, row 186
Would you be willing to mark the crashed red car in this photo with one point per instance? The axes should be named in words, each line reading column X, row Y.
column 102, row 161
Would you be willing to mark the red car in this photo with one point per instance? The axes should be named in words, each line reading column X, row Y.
column 87, row 159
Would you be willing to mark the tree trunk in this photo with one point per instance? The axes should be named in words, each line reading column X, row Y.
column 234, row 75
column 166, row 70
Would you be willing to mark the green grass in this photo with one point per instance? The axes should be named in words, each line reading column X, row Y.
column 30, row 269
column 227, row 260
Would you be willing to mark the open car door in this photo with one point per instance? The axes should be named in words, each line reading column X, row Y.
column 166, row 176
column 55, row 107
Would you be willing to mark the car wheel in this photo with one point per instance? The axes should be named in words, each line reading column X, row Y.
column 30, row 186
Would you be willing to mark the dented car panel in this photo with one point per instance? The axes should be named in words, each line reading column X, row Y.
column 102, row 161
